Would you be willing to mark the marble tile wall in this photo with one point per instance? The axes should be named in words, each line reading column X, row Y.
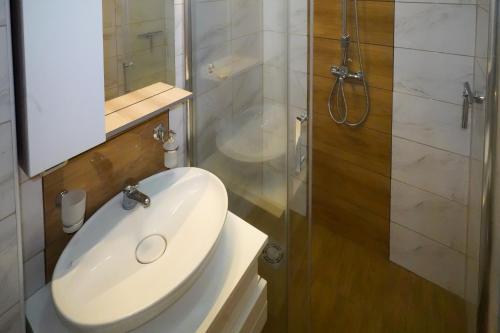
column 11, row 291
column 276, row 85
column 258, row 51
column 177, row 116
column 433, row 57
column 228, row 52
column 285, row 92
column 32, row 226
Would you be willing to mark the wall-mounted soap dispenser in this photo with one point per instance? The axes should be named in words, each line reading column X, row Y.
column 170, row 146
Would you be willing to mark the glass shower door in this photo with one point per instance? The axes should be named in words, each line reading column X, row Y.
column 249, row 130
column 483, row 231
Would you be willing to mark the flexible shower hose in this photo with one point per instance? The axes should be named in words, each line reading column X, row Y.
column 338, row 87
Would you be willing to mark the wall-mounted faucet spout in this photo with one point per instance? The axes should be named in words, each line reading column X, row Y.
column 132, row 196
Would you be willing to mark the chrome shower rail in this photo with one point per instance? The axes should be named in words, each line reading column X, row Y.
column 339, row 110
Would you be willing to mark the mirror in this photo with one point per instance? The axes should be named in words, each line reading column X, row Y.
column 139, row 48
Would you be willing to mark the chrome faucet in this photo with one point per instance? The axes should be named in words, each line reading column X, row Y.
column 132, row 196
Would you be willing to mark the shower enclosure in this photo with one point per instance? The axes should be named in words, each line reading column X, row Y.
column 249, row 76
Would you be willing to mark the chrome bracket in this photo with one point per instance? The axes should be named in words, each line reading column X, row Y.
column 159, row 133
column 59, row 197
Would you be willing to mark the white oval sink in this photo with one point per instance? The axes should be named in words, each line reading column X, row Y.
column 125, row 267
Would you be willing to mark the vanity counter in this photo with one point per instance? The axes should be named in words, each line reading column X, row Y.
column 229, row 296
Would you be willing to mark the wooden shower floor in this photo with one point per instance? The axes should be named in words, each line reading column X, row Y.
column 356, row 290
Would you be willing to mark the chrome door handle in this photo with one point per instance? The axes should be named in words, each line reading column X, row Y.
column 300, row 154
column 465, row 109
column 469, row 98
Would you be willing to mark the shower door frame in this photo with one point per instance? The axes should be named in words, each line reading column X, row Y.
column 487, row 311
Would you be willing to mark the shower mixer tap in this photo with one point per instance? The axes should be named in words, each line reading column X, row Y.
column 343, row 72
column 345, row 40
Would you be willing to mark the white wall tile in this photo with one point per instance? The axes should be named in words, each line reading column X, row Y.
column 431, row 215
column 428, row 259
column 432, row 75
column 479, row 84
column 34, row 274
column 180, row 75
column 482, row 32
column 7, row 197
column 179, row 29
column 246, row 47
column 297, row 89
column 274, row 18
column 177, row 122
column 472, row 281
column 145, row 10
column 475, row 208
column 108, row 13
column 246, row 17
column 275, row 83
column 9, row 271
column 435, row 27
column 6, row 168
column 109, row 42
column 32, row 217
column 111, row 72
column 214, row 104
column 274, row 49
column 11, row 321
column 5, row 80
column 247, row 89
column 298, row 53
column 431, row 122
column 430, row 169
column 3, row 12
column 298, row 20
column 210, row 23
column 484, row 4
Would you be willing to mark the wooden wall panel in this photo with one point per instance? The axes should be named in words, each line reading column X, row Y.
column 377, row 61
column 376, row 21
column 103, row 172
column 339, row 179
column 352, row 166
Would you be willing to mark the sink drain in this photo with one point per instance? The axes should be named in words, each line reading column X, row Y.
column 150, row 249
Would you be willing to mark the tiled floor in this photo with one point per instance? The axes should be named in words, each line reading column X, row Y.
column 357, row 290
